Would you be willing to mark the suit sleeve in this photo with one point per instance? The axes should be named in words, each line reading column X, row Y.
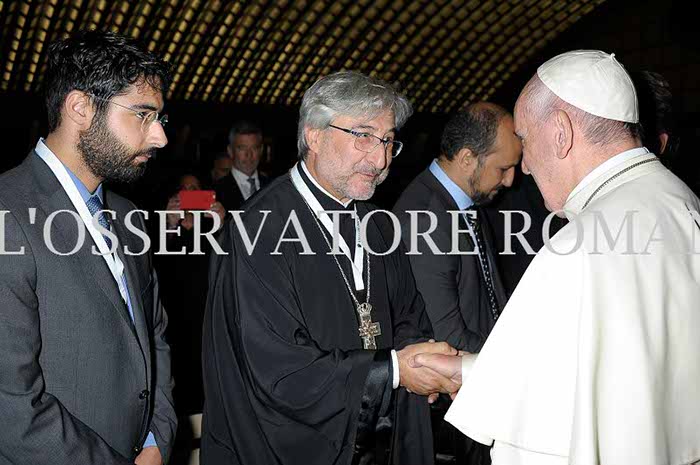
column 164, row 421
column 36, row 426
column 436, row 280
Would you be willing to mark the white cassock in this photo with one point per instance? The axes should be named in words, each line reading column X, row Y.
column 596, row 357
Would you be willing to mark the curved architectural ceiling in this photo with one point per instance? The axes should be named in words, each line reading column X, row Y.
column 442, row 53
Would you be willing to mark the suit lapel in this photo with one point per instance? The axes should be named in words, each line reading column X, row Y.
column 229, row 193
column 64, row 230
column 432, row 182
column 134, row 280
column 237, row 194
column 465, row 240
column 65, row 227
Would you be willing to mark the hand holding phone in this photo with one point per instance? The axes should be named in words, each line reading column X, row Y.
column 196, row 200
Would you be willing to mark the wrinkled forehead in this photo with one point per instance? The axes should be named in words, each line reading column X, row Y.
column 532, row 89
column 522, row 103
column 519, row 116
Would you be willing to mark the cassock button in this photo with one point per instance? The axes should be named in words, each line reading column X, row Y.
column 137, row 449
column 143, row 395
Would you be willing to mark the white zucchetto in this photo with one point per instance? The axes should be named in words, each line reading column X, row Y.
column 594, row 82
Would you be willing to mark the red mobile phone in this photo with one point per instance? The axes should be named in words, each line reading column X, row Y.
column 196, row 200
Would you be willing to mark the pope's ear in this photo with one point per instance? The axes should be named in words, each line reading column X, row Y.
column 563, row 133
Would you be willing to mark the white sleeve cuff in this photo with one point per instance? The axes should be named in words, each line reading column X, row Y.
column 395, row 371
column 467, row 365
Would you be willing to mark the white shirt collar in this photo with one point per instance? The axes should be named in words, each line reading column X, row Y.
column 319, row 187
column 242, row 181
column 242, row 178
column 44, row 152
column 606, row 166
column 112, row 260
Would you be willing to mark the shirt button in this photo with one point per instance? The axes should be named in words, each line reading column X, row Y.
column 143, row 395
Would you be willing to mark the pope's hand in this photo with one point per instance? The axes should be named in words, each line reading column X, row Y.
column 422, row 380
column 448, row 366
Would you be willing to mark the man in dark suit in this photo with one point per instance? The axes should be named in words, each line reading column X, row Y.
column 245, row 147
column 85, row 370
column 463, row 293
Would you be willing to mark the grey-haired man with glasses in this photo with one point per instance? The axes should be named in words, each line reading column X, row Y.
column 85, row 369
column 367, row 142
column 307, row 355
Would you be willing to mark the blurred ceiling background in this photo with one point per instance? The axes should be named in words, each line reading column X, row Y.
column 254, row 60
column 443, row 53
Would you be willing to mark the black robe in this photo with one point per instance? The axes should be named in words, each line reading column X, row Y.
column 286, row 379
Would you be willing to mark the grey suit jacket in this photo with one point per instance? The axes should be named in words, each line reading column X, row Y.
column 452, row 286
column 80, row 383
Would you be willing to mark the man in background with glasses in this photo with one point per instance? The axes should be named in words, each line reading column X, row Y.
column 85, row 369
column 306, row 353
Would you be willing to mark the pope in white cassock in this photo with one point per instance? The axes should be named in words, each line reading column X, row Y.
column 596, row 357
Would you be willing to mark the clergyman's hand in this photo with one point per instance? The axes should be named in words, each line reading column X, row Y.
column 423, row 380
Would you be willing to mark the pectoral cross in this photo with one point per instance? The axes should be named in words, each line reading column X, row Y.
column 369, row 330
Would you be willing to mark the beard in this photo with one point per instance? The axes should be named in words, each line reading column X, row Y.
column 339, row 178
column 367, row 192
column 107, row 157
column 363, row 191
column 478, row 196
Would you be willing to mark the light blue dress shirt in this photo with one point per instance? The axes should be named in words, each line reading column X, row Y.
column 460, row 197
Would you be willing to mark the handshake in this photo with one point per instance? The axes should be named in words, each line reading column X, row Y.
column 429, row 368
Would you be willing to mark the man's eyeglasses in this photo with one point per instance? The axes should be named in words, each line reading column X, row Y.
column 147, row 117
column 366, row 142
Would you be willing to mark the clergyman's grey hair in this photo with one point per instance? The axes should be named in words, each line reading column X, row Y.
column 348, row 93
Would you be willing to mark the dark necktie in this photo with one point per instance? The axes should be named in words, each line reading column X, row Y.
column 94, row 204
column 253, row 187
column 485, row 268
